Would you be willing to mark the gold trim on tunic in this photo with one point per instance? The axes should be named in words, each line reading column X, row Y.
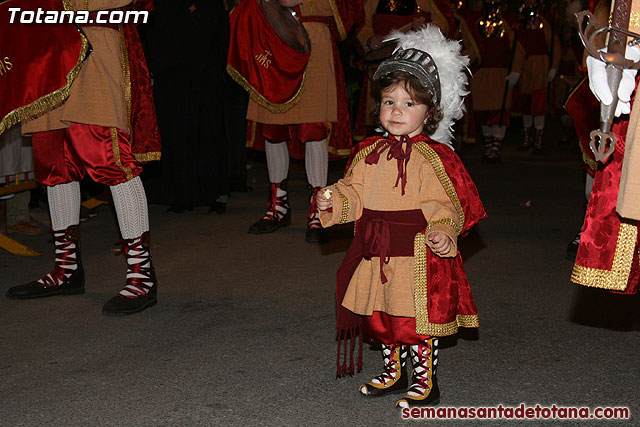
column 421, row 300
column 148, row 157
column 445, row 221
column 344, row 213
column 362, row 154
column 634, row 20
column 126, row 75
column 617, row 278
column 338, row 19
column 433, row 158
column 259, row 99
column 116, row 154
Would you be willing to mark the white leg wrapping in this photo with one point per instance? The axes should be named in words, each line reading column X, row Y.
column 316, row 161
column 499, row 131
column 539, row 122
column 527, row 120
column 137, row 257
column 64, row 205
column 130, row 202
column 486, row 130
column 277, row 161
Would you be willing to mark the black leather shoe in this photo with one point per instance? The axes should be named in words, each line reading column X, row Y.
column 120, row 306
column 316, row 235
column 264, row 226
column 74, row 285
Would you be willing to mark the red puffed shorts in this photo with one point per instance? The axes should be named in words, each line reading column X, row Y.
column 65, row 155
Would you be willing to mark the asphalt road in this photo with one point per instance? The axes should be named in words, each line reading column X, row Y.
column 244, row 330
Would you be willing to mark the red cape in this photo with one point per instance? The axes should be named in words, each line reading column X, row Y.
column 38, row 62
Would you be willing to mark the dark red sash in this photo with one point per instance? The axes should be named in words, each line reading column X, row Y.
column 380, row 233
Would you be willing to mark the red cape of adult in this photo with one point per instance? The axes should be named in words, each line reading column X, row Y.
column 38, row 62
column 45, row 59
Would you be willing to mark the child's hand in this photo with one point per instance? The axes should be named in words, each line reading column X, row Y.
column 324, row 200
column 440, row 243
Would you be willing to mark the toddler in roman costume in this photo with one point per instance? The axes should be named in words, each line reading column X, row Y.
column 402, row 281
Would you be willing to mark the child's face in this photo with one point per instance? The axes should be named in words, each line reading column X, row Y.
column 400, row 114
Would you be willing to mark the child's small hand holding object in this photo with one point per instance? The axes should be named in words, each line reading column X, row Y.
column 324, row 200
column 440, row 243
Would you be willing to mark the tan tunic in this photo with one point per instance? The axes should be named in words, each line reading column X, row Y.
column 97, row 95
column 487, row 88
column 372, row 187
column 318, row 102
column 536, row 67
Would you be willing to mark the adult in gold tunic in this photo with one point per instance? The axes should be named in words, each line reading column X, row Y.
column 105, row 128
column 317, row 125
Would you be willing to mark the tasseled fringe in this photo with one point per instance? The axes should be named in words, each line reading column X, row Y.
column 345, row 335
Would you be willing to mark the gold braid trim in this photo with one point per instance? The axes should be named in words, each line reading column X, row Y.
column 362, row 154
column 50, row 101
column 126, row 75
column 340, row 152
column 420, row 295
column 148, row 157
column 634, row 20
column 420, row 298
column 251, row 138
column 593, row 165
column 116, row 154
column 432, row 157
column 338, row 19
column 618, row 277
column 259, row 99
column 446, row 221
column 344, row 213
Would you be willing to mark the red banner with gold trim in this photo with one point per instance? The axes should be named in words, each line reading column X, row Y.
column 38, row 61
column 270, row 70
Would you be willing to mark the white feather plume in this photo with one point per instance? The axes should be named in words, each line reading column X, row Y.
column 452, row 69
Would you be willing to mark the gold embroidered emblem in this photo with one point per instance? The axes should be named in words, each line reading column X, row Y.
column 5, row 65
column 264, row 58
